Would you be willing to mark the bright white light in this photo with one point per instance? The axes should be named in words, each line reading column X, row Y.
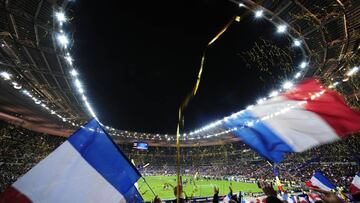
column 90, row 109
column 297, row 42
column 298, row 74
column 69, row 59
column 60, row 16
column 259, row 13
column 241, row 5
column 78, row 83
column 16, row 85
column 63, row 40
column 281, row 28
column 288, row 85
column 81, row 90
column 274, row 93
column 37, row 101
column 5, row 75
column 84, row 98
column 353, row 71
column 74, row 73
column 303, row 64
column 249, row 107
column 260, row 101
column 79, row 86
column 250, row 123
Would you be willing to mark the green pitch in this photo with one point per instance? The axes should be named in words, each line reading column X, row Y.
column 205, row 188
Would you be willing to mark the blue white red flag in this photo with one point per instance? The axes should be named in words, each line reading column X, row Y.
column 318, row 180
column 355, row 184
column 314, row 197
column 227, row 198
column 88, row 167
column 306, row 116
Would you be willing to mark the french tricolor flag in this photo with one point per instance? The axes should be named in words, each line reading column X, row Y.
column 318, row 180
column 355, row 184
column 88, row 167
column 306, row 116
column 314, row 197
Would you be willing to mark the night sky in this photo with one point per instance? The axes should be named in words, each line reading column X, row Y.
column 138, row 60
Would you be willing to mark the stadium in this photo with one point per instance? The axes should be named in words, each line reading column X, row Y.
column 46, row 97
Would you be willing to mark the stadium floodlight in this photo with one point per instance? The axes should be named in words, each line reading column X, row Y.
column 241, row 5
column 297, row 75
column 297, row 42
column 303, row 64
column 5, row 75
column 81, row 90
column 69, row 59
column 84, row 97
column 353, row 71
column 259, row 13
column 288, row 85
column 78, row 83
column 60, row 16
column 26, row 92
column 90, row 110
column 16, row 85
column 74, row 73
column 274, row 93
column 281, row 28
column 63, row 40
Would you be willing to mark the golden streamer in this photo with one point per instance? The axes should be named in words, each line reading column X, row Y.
column 186, row 101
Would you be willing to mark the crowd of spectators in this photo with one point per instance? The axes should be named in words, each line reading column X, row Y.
column 21, row 149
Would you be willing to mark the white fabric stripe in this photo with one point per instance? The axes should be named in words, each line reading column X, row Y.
column 356, row 181
column 299, row 128
column 316, row 182
column 64, row 176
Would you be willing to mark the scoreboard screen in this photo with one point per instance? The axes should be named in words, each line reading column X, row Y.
column 141, row 145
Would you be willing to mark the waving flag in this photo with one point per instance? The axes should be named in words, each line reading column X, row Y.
column 304, row 117
column 314, row 197
column 227, row 198
column 355, row 184
column 318, row 180
column 302, row 199
column 88, row 167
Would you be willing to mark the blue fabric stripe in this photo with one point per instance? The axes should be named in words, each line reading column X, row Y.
column 100, row 152
column 133, row 196
column 318, row 175
column 259, row 137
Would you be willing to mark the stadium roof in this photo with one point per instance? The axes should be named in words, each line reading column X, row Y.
column 43, row 91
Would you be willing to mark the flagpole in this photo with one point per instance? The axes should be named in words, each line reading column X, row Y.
column 149, row 186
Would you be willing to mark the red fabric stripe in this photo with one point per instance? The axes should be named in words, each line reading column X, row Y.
column 330, row 106
column 14, row 196
column 354, row 190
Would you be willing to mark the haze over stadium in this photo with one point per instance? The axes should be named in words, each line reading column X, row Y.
column 268, row 92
